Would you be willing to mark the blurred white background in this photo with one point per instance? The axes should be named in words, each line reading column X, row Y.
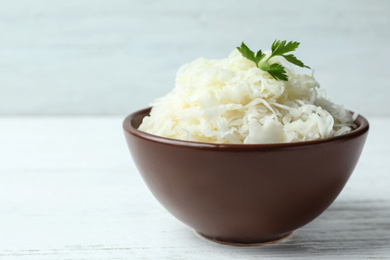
column 83, row 57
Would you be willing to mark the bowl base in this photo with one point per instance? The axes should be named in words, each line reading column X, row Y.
column 213, row 239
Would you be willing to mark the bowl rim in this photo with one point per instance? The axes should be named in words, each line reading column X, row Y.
column 362, row 128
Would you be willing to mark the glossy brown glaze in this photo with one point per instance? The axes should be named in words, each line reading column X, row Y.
column 244, row 194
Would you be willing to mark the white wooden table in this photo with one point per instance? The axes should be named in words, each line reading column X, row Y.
column 69, row 190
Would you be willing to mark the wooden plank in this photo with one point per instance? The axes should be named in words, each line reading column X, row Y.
column 69, row 190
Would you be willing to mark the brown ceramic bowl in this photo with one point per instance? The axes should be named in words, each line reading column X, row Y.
column 244, row 194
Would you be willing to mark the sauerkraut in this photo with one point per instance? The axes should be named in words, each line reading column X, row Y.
column 232, row 101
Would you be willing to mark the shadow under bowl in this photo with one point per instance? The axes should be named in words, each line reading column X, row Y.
column 244, row 194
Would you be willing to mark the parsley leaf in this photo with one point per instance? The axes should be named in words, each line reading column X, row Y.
column 291, row 58
column 275, row 70
column 250, row 55
column 278, row 48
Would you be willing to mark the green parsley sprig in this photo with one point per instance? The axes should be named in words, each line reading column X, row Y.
column 278, row 48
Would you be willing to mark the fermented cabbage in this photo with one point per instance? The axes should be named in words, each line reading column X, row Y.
column 232, row 101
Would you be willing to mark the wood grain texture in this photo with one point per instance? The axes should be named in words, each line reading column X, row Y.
column 69, row 190
column 98, row 57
